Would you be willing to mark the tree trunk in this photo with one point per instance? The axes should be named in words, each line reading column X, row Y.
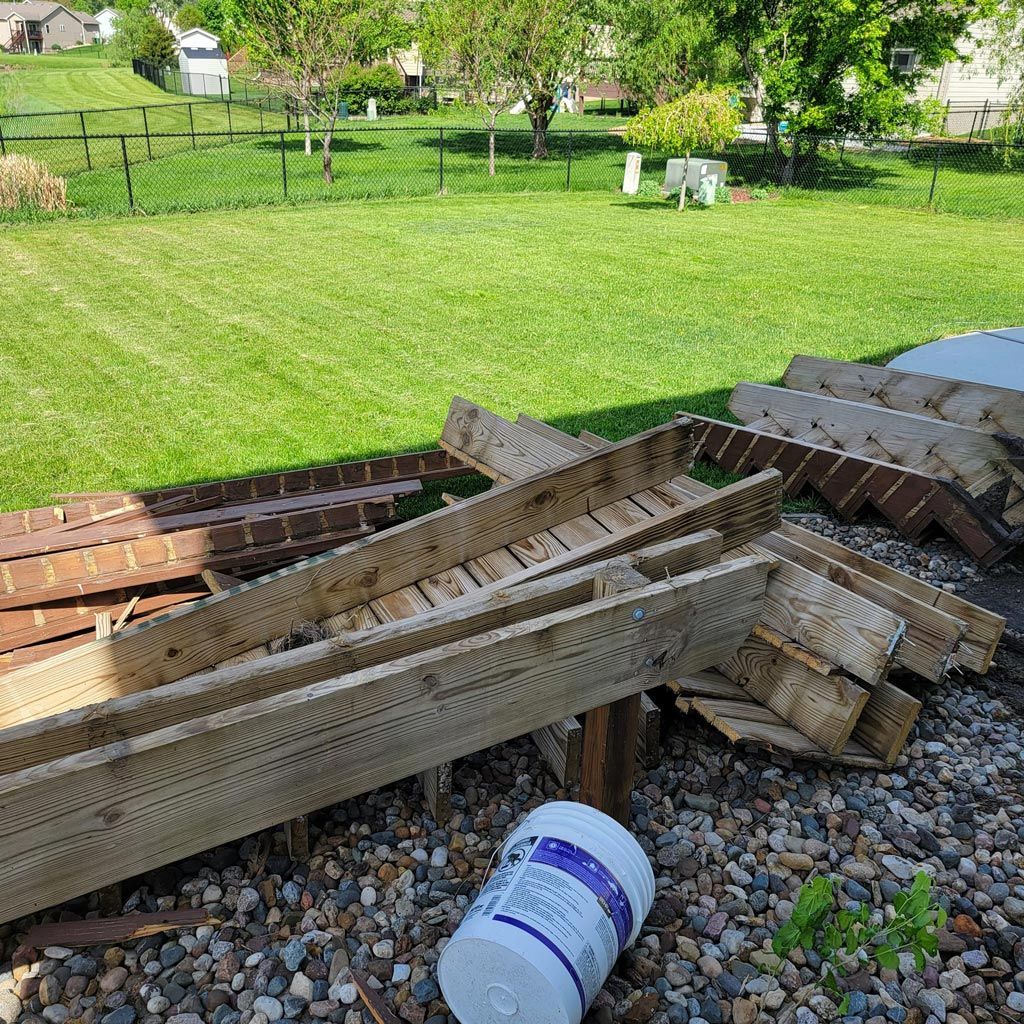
column 538, row 111
column 305, row 125
column 490, row 152
column 682, row 187
column 328, row 170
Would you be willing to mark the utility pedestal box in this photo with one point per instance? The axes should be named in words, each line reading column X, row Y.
column 700, row 168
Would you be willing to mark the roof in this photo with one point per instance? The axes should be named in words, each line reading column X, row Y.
column 196, row 53
column 37, row 11
column 200, row 33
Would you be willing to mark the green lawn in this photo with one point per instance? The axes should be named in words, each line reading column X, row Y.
column 181, row 347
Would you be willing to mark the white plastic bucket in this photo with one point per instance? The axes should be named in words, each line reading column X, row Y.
column 570, row 894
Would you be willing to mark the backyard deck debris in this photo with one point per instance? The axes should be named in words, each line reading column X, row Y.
column 921, row 451
column 135, row 555
column 466, row 661
column 97, row 931
column 812, row 679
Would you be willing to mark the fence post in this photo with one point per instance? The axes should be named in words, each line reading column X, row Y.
column 974, row 122
column 261, row 118
column 3, row 145
column 935, row 173
column 440, row 161
column 221, row 80
column 568, row 166
column 284, row 167
column 145, row 125
column 127, row 174
column 192, row 126
column 984, row 116
column 85, row 141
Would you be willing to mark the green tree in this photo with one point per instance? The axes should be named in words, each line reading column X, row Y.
column 825, row 66
column 699, row 119
column 1005, row 49
column 129, row 28
column 190, row 16
column 157, row 45
column 307, row 45
column 663, row 47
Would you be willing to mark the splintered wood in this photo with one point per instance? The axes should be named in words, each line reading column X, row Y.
column 440, row 634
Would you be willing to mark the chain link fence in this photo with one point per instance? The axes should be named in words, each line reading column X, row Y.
column 164, row 170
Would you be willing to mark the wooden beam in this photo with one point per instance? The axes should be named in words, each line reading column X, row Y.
column 102, row 931
column 561, row 746
column 188, row 641
column 611, row 730
column 436, row 783
column 957, row 401
column 886, row 721
column 132, row 806
column 932, row 636
column 251, row 678
column 648, row 736
column 824, row 708
column 984, row 628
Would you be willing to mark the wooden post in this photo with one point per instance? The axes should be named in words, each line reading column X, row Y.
column 610, row 732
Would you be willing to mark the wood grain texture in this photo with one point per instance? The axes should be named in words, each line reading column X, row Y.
column 428, row 465
column 561, row 746
column 824, row 708
column 99, row 931
column 971, row 405
column 82, row 821
column 611, row 730
column 176, row 644
column 932, row 636
column 984, row 628
column 913, row 501
column 648, row 739
column 886, row 721
column 400, row 629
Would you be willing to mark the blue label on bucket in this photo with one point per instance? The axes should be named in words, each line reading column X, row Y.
column 585, row 868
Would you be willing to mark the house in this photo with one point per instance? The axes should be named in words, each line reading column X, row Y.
column 203, row 66
column 36, row 27
column 105, row 20
column 967, row 83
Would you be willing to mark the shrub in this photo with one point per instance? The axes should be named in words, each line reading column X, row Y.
column 25, row 184
column 381, row 81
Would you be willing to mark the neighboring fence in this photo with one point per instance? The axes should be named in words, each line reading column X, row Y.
column 161, row 171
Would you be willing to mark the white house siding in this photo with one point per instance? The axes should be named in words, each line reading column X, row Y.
column 968, row 83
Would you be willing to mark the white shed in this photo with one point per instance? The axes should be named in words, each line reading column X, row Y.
column 204, row 68
column 105, row 20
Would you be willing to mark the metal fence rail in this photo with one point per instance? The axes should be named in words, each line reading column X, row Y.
column 159, row 171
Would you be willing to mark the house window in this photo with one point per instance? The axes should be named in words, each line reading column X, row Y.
column 903, row 62
column 47, row 29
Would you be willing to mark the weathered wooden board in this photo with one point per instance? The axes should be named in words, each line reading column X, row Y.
column 984, row 628
column 561, row 746
column 648, row 739
column 177, row 644
column 85, row 820
column 365, row 639
column 932, row 636
column 913, row 502
column 886, row 721
column 997, row 410
column 906, row 439
column 824, row 708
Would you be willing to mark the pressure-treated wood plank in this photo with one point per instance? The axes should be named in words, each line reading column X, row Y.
column 561, row 746
column 85, row 820
column 886, row 721
column 428, row 465
column 99, row 931
column 365, row 642
column 971, row 405
column 906, row 438
column 611, row 730
column 747, row 722
column 932, row 636
column 824, row 708
column 912, row 501
column 648, row 736
column 984, row 628
column 230, row 623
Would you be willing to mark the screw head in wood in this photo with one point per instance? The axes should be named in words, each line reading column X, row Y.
column 638, row 614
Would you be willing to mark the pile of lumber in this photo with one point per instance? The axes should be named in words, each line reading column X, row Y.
column 924, row 452
column 812, row 679
column 570, row 591
column 94, row 563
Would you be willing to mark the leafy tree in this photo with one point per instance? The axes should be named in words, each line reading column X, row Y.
column 307, row 45
column 1006, row 62
column 478, row 42
column 824, row 66
column 699, row 119
column 213, row 14
column 663, row 47
column 129, row 28
column 504, row 51
column 157, row 45
column 190, row 16
column 382, row 82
